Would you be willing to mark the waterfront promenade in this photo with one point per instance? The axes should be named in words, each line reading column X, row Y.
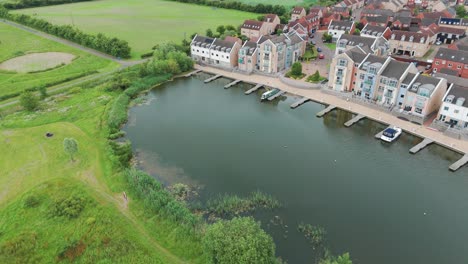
column 457, row 145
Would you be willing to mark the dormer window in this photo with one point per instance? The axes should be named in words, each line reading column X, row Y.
column 411, row 38
column 422, row 40
column 403, row 38
column 393, row 36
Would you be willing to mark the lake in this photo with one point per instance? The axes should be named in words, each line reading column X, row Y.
column 375, row 200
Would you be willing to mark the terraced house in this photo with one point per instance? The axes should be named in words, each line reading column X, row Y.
column 368, row 73
column 343, row 69
column 215, row 52
column 338, row 28
column 453, row 112
column 409, row 43
column 254, row 29
column 451, row 59
column 370, row 31
column 248, row 57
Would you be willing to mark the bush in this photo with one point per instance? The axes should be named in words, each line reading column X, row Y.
column 29, row 101
column 296, row 69
column 31, row 201
column 70, row 207
column 238, row 241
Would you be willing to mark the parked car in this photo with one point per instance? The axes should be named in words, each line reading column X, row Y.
column 321, row 56
column 319, row 49
column 438, row 42
column 313, row 42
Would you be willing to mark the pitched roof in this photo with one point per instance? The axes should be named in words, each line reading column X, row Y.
column 220, row 44
column 353, row 40
column 424, row 82
column 460, row 56
column 403, row 20
column 453, row 21
column 250, row 46
column 409, row 78
column 459, row 91
column 270, row 17
column 373, row 30
column 342, row 25
column 395, row 69
column 452, row 79
column 298, row 10
column 449, row 71
column 378, row 19
column 252, row 24
column 373, row 60
column 232, row 39
column 451, row 30
column 202, row 41
column 356, row 54
column 399, row 34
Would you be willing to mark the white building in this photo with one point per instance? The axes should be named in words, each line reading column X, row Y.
column 216, row 52
column 454, row 109
column 338, row 28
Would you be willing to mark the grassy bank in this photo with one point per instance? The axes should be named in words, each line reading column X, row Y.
column 15, row 42
column 142, row 23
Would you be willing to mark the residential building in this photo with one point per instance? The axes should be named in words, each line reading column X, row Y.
column 454, row 109
column 343, row 70
column 327, row 19
column 317, row 10
column 271, row 21
column 401, row 22
column 424, row 96
column 461, row 23
column 366, row 12
column 341, row 11
column 389, row 80
column 381, row 21
column 376, row 31
column 254, row 29
column 452, row 59
column 277, row 53
column 313, row 21
column 367, row 75
column 377, row 46
column 338, row 28
column 412, row 44
column 248, row 57
column 449, row 35
column 297, row 13
column 460, row 45
column 215, row 52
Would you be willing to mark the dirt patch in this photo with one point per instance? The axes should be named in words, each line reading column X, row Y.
column 35, row 62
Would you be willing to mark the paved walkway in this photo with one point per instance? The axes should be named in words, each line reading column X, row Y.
column 324, row 98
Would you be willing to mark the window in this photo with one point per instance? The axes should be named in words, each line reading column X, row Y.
column 342, row 62
column 393, row 83
column 450, row 65
column 456, row 111
column 372, row 70
column 381, row 88
column 446, row 108
column 402, row 96
column 203, row 52
column 437, row 63
column 227, row 57
column 458, row 66
column 383, row 80
column 361, row 76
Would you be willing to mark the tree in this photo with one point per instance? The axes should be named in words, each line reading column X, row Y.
column 209, row 33
column 343, row 259
column 29, row 101
column 360, row 26
column 261, row 18
column 230, row 27
column 315, row 77
column 220, row 29
column 296, row 69
column 238, row 241
column 326, row 37
column 461, row 12
column 357, row 32
column 70, row 146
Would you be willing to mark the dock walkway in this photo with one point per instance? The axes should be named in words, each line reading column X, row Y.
column 459, row 163
column 258, row 86
column 280, row 93
column 300, row 102
column 192, row 73
column 421, row 145
column 212, row 78
column 326, row 110
column 232, row 84
column 354, row 120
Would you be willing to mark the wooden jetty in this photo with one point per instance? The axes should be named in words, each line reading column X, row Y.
column 379, row 135
column 232, row 84
column 258, row 86
column 326, row 110
column 280, row 93
column 354, row 120
column 459, row 163
column 421, row 145
column 212, row 78
column 299, row 103
column 192, row 73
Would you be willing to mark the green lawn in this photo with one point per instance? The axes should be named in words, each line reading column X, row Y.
column 143, row 23
column 33, row 165
column 331, row 46
column 286, row 3
column 15, row 42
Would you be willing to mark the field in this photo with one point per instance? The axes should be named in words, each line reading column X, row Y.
column 15, row 43
column 36, row 176
column 286, row 3
column 143, row 23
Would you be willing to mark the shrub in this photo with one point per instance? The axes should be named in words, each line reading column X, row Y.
column 70, row 207
column 296, row 69
column 29, row 101
column 31, row 201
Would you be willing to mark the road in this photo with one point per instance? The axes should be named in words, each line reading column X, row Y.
column 321, row 65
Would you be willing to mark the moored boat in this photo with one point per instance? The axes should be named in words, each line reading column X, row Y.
column 391, row 134
column 269, row 94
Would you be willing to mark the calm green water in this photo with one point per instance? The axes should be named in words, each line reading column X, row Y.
column 375, row 200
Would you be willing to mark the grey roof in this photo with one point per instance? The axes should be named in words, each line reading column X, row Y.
column 459, row 91
column 381, row 12
column 403, row 19
column 424, row 82
column 250, row 46
column 223, row 45
column 409, row 77
column 395, row 69
column 463, row 44
column 356, row 54
column 452, row 55
column 379, row 19
column 449, row 71
column 199, row 40
column 427, row 21
column 453, row 79
column 345, row 25
column 373, row 30
column 354, row 40
column 372, row 59
column 294, row 37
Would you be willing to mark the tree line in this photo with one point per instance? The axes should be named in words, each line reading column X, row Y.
column 112, row 46
column 258, row 8
column 35, row 3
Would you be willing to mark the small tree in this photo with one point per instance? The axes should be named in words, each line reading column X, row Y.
column 70, row 146
column 326, row 37
column 238, row 241
column 29, row 101
column 357, row 32
column 209, row 33
column 220, row 29
column 315, row 77
column 296, row 69
column 230, row 27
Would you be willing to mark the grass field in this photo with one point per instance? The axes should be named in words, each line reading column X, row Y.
column 108, row 229
column 286, row 3
column 143, row 23
column 15, row 42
